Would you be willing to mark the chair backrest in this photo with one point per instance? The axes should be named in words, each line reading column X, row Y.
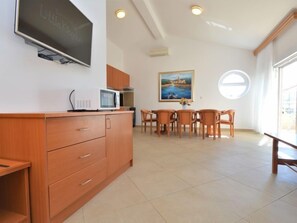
column 165, row 116
column 231, row 114
column 209, row 116
column 144, row 114
column 186, row 116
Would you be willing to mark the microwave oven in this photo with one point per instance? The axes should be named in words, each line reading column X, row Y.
column 96, row 99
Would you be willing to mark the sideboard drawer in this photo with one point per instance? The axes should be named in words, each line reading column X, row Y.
column 65, row 192
column 67, row 131
column 66, row 161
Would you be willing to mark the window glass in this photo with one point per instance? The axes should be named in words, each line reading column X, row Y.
column 233, row 78
column 234, row 84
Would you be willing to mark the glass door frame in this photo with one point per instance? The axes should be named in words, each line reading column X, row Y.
column 279, row 70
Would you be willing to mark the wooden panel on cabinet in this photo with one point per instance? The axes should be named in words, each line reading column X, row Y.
column 125, row 81
column 116, row 79
column 65, row 192
column 71, row 130
column 14, row 192
column 118, row 141
column 109, row 76
column 65, row 161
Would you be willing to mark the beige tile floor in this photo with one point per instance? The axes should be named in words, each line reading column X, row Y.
column 190, row 180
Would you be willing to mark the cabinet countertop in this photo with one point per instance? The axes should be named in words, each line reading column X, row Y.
column 45, row 115
column 10, row 166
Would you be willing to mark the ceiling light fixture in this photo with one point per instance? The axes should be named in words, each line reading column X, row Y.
column 120, row 13
column 196, row 9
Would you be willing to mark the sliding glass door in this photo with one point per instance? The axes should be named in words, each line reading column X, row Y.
column 288, row 99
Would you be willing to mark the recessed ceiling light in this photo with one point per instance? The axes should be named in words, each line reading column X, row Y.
column 196, row 9
column 120, row 13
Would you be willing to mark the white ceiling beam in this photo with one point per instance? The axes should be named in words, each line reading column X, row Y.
column 147, row 13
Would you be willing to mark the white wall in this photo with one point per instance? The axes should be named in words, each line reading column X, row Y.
column 208, row 60
column 114, row 55
column 31, row 84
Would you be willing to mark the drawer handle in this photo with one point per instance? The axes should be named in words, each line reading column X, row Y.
column 83, row 129
column 85, row 156
column 86, row 182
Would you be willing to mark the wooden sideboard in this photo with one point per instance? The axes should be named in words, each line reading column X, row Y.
column 73, row 156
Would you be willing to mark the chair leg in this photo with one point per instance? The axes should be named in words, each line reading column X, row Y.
column 179, row 129
column 195, row 128
column 158, row 129
column 232, row 130
column 168, row 130
column 199, row 130
column 203, row 131
column 173, row 127
column 219, row 130
column 190, row 130
column 151, row 127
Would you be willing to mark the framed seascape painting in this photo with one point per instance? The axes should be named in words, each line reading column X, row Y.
column 176, row 85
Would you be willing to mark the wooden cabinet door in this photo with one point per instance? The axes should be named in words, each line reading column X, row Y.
column 116, row 79
column 125, row 80
column 118, row 141
column 109, row 76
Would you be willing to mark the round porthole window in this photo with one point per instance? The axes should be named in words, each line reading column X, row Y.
column 234, row 84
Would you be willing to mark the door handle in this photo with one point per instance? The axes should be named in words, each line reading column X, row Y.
column 108, row 123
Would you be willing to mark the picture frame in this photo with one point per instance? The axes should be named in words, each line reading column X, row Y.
column 175, row 85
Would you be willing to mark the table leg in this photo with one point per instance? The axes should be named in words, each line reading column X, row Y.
column 158, row 128
column 209, row 130
column 274, row 156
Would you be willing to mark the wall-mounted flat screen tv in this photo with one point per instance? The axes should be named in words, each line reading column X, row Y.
column 57, row 28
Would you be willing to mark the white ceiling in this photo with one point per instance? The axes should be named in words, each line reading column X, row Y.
column 239, row 23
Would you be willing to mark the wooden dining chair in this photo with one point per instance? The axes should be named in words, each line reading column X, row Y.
column 186, row 117
column 167, row 119
column 147, row 117
column 229, row 121
column 210, row 118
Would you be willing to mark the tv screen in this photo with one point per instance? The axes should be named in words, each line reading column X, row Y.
column 59, row 30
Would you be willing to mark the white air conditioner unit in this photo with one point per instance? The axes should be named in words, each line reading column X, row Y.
column 159, row 52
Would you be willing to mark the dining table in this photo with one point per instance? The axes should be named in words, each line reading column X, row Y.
column 174, row 113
